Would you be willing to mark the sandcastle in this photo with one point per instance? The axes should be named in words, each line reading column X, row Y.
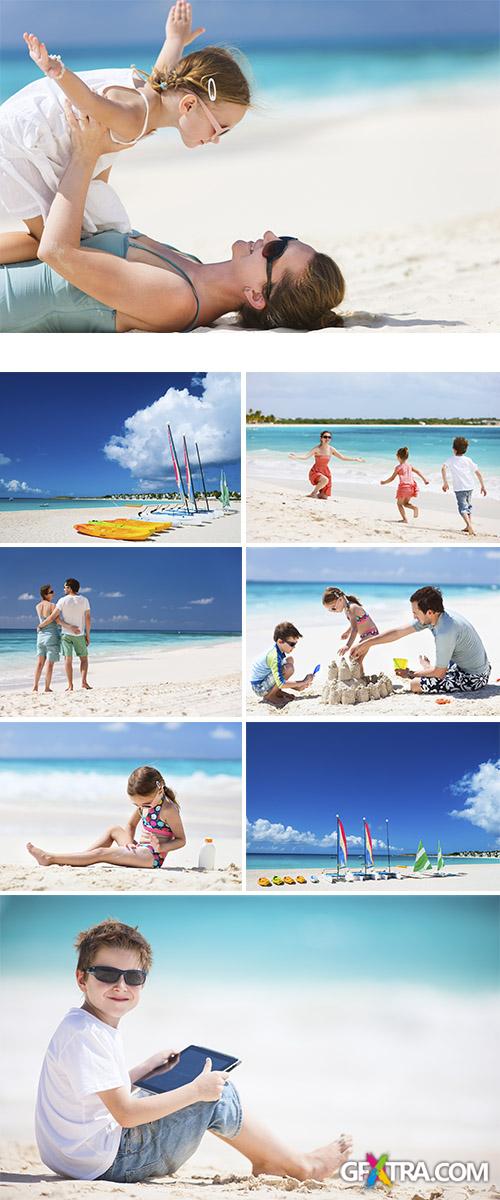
column 348, row 685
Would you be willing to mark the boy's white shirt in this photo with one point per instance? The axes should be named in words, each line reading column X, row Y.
column 76, row 1135
column 73, row 609
column 462, row 470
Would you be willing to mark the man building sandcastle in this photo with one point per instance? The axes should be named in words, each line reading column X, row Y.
column 74, row 610
column 461, row 660
column 275, row 667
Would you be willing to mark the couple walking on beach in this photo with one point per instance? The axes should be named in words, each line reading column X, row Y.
column 63, row 629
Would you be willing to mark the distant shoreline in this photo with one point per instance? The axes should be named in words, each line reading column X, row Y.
column 440, row 422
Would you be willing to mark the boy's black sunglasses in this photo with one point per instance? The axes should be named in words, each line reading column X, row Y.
column 113, row 974
column 272, row 251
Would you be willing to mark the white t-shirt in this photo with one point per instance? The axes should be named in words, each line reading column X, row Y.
column 76, row 1135
column 72, row 610
column 461, row 470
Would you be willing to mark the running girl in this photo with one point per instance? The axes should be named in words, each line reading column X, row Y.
column 203, row 96
column 160, row 830
column 320, row 475
column 407, row 486
column 360, row 625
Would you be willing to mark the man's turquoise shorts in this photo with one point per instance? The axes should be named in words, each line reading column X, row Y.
column 74, row 643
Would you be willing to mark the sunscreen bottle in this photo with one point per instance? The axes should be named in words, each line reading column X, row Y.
column 206, row 860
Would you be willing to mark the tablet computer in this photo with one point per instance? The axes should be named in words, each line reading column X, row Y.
column 185, row 1067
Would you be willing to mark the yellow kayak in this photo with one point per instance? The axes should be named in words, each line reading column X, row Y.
column 123, row 530
column 300, row 879
column 264, row 881
column 278, row 880
column 288, row 879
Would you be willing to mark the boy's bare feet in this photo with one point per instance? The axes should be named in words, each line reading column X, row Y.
column 35, row 689
column 41, row 856
column 69, row 689
column 279, row 701
column 87, row 687
column 48, row 690
column 318, row 1164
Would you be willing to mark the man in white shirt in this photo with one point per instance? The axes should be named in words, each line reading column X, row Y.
column 75, row 611
column 462, row 470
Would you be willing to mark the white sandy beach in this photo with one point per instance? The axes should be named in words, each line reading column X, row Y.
column 403, row 193
column 105, row 878
column 279, row 511
column 56, row 527
column 189, row 682
column 458, row 878
column 320, row 642
column 413, row 1095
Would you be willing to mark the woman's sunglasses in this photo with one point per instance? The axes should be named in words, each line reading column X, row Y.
column 112, row 975
column 272, row 251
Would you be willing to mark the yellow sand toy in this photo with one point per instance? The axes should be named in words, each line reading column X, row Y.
column 400, row 664
column 123, row 529
column 278, row 880
column 288, row 879
column 264, row 881
column 301, row 879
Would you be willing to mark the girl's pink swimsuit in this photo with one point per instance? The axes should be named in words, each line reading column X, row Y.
column 407, row 486
column 152, row 823
column 321, row 467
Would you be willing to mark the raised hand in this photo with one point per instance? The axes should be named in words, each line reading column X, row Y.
column 49, row 64
column 178, row 27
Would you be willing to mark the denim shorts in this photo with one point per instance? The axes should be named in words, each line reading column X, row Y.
column 263, row 686
column 160, row 1147
column 464, row 501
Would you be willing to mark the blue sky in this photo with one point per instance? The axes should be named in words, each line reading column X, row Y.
column 130, row 22
column 414, row 775
column 375, row 395
column 116, row 739
column 176, row 589
column 450, row 941
column 378, row 565
column 112, row 431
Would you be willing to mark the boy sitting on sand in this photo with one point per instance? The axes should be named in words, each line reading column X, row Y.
column 89, row 1122
column 462, row 470
column 275, row 668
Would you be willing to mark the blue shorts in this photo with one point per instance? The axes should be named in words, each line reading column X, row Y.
column 464, row 501
column 263, row 686
column 160, row 1147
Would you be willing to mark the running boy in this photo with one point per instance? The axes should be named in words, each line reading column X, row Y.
column 274, row 668
column 87, row 1115
column 462, row 470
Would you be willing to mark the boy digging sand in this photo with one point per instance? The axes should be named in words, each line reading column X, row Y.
column 275, row 667
column 462, row 471
column 89, row 1122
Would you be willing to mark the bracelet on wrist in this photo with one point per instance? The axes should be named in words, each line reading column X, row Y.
column 62, row 68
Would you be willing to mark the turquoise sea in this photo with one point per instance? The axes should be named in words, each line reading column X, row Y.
column 278, row 863
column 268, row 447
column 18, row 648
column 182, row 767
column 25, row 504
column 266, row 599
column 303, row 75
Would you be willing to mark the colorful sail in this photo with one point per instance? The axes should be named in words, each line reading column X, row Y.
column 368, row 844
column 421, row 860
column 440, row 861
column 224, row 491
column 174, row 459
column 341, row 844
column 188, row 471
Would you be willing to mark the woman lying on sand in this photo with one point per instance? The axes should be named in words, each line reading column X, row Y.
column 162, row 831
column 320, row 475
column 116, row 282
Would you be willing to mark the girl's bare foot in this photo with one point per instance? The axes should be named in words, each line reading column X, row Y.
column 69, row 689
column 35, row 689
column 41, row 856
column 415, row 511
column 47, row 690
column 87, row 687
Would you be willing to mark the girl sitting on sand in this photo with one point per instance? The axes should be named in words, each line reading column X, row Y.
column 203, row 96
column 407, row 487
column 161, row 830
column 320, row 475
column 360, row 623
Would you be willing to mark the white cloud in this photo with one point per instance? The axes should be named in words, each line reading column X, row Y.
column 19, row 485
column 120, row 617
column 85, row 591
column 110, row 595
column 212, row 420
column 204, row 600
column 494, row 554
column 3, row 459
column 26, row 596
column 277, row 834
column 113, row 727
column 172, row 725
column 481, row 793
column 222, row 733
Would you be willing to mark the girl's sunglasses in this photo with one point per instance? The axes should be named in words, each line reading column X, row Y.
column 218, row 129
column 272, row 251
column 112, row 975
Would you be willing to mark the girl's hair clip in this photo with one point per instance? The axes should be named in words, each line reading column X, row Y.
column 212, row 90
